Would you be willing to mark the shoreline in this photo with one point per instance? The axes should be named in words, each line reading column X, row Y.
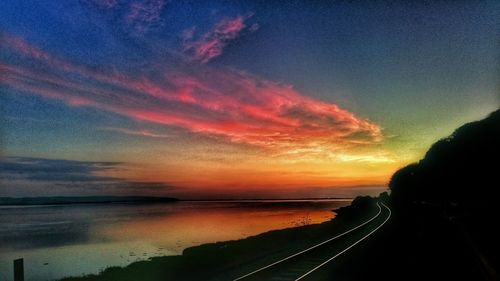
column 92, row 200
column 222, row 222
column 220, row 260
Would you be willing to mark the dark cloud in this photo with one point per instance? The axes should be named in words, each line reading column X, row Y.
column 40, row 169
column 88, row 175
column 116, row 185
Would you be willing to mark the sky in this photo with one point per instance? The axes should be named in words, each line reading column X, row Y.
column 235, row 99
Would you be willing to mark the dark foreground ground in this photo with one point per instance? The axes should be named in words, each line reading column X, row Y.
column 420, row 248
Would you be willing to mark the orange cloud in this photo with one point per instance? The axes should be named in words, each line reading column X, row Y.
column 211, row 44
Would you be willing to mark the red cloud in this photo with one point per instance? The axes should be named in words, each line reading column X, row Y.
column 235, row 106
column 211, row 44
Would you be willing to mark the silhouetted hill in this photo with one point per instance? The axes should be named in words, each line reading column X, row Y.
column 458, row 171
column 82, row 200
column 445, row 213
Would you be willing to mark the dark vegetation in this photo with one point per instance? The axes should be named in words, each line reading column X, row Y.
column 445, row 214
column 82, row 200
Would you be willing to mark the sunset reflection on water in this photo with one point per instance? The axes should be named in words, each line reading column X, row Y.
column 217, row 222
column 53, row 239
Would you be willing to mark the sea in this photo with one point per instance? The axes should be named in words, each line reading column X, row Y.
column 58, row 241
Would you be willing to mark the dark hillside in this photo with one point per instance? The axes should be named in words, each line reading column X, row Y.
column 445, row 207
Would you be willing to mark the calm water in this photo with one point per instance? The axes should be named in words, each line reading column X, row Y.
column 58, row 241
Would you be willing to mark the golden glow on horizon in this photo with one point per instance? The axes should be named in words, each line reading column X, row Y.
column 243, row 168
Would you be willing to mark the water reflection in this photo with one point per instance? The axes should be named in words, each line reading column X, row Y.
column 58, row 241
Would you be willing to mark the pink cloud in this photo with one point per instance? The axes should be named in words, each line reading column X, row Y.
column 21, row 46
column 105, row 4
column 212, row 43
column 145, row 14
column 187, row 35
column 254, row 27
column 233, row 106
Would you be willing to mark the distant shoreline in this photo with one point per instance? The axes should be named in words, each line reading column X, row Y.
column 80, row 200
column 266, row 199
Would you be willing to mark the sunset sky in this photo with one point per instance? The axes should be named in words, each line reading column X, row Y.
column 235, row 99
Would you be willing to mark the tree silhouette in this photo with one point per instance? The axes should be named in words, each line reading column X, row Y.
column 448, row 201
column 459, row 170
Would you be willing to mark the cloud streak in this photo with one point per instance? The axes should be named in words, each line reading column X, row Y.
column 143, row 15
column 40, row 169
column 211, row 44
column 230, row 105
column 91, row 175
column 143, row 133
